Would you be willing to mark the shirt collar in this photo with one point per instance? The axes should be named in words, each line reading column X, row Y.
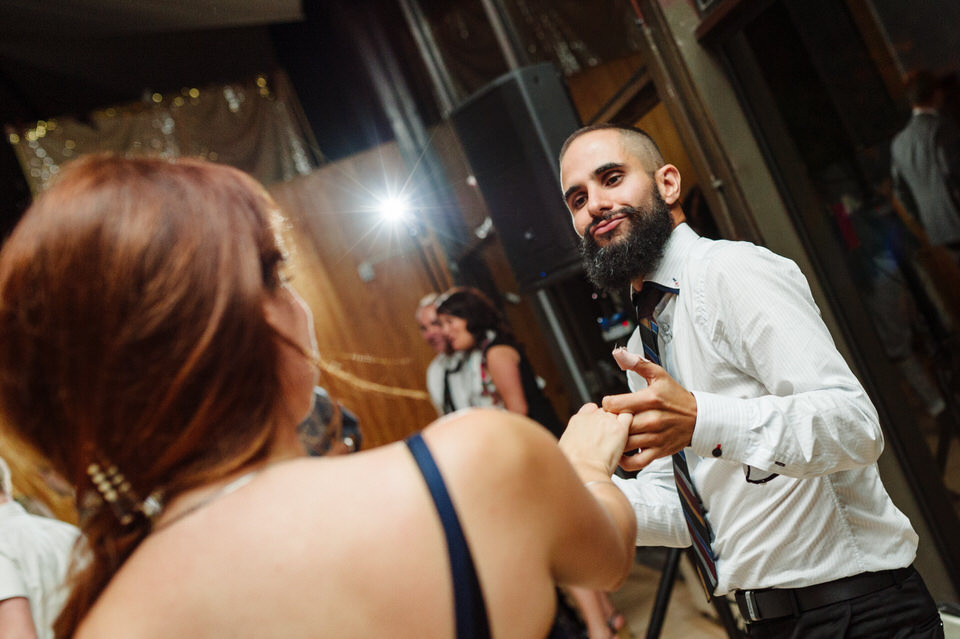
column 667, row 273
column 925, row 111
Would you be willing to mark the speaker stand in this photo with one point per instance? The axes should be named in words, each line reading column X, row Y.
column 665, row 587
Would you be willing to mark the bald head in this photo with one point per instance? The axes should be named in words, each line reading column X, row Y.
column 634, row 141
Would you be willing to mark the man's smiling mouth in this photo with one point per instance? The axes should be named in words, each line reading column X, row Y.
column 607, row 225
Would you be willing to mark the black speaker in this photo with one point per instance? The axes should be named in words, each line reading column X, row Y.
column 511, row 132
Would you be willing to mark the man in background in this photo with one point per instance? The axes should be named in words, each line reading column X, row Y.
column 925, row 163
column 443, row 361
column 34, row 557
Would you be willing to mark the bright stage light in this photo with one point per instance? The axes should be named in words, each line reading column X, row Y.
column 394, row 208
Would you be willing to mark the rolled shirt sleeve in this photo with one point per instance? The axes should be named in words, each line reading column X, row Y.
column 11, row 584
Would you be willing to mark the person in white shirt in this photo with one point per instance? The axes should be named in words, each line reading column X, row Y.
column 453, row 377
column 780, row 438
column 34, row 557
column 925, row 163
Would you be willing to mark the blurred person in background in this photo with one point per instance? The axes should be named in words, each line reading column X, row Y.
column 445, row 362
column 925, row 163
column 34, row 556
column 497, row 373
column 330, row 428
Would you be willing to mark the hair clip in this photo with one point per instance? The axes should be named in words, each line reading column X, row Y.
column 115, row 490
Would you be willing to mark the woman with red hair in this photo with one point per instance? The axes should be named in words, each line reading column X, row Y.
column 152, row 351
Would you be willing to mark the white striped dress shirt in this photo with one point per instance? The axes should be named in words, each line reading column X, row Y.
column 794, row 497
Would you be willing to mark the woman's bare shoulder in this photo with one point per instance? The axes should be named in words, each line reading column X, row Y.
column 486, row 426
column 492, row 441
column 503, row 352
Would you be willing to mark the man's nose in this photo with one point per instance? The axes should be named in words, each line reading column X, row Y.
column 598, row 204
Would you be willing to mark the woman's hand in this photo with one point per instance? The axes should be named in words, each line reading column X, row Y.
column 663, row 415
column 594, row 440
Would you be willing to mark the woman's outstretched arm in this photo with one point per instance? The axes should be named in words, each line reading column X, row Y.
column 557, row 501
column 593, row 443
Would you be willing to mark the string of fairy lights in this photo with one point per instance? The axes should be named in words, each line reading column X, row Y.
column 335, row 370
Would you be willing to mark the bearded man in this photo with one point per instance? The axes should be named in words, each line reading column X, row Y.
column 757, row 443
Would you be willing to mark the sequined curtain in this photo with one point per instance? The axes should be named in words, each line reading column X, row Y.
column 256, row 126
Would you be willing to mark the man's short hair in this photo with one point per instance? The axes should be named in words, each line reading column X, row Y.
column 638, row 141
column 430, row 299
column 6, row 483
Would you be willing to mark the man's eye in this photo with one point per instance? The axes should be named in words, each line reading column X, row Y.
column 613, row 179
column 577, row 202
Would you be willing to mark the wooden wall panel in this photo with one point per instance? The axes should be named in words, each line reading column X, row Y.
column 375, row 359
column 593, row 87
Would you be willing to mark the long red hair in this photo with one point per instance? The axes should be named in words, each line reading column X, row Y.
column 132, row 333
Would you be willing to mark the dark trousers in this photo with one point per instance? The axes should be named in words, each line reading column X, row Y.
column 904, row 611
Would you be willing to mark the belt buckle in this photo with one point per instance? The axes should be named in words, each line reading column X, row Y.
column 752, row 608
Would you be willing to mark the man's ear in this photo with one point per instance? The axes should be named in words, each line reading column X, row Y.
column 668, row 183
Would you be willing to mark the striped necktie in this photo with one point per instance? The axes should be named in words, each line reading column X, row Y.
column 694, row 513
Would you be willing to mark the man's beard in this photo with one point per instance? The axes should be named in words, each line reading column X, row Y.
column 622, row 260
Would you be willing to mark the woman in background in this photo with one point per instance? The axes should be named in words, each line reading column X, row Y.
column 496, row 372
column 151, row 349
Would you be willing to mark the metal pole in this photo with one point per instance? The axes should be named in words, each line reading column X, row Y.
column 664, row 588
column 505, row 33
column 546, row 306
column 443, row 84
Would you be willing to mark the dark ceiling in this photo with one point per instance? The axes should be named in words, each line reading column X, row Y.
column 85, row 54
column 88, row 54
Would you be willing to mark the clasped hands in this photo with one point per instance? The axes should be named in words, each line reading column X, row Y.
column 663, row 414
column 657, row 420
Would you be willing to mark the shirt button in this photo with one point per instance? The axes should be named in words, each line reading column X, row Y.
column 717, row 452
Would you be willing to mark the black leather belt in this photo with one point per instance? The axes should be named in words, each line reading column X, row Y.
column 773, row 603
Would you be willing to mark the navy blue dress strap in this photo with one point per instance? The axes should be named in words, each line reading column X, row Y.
column 469, row 606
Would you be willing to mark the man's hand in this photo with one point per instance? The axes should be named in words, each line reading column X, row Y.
column 664, row 413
